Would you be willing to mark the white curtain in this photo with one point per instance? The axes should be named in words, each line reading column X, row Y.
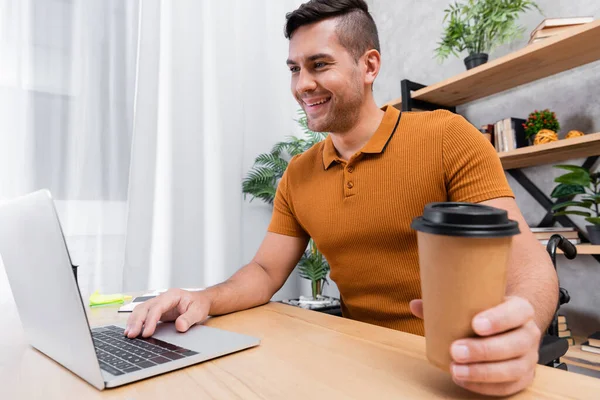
column 142, row 117
column 67, row 79
column 212, row 93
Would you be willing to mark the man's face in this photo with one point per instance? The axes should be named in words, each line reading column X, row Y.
column 326, row 81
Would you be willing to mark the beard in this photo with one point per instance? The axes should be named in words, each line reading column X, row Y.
column 342, row 115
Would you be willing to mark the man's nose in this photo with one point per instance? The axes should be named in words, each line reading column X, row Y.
column 305, row 83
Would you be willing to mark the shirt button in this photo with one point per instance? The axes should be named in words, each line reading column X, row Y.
column 350, row 185
column 350, row 169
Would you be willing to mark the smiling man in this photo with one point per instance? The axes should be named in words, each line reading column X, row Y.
column 356, row 194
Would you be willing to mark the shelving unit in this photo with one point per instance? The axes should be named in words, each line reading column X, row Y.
column 535, row 61
column 578, row 47
column 562, row 150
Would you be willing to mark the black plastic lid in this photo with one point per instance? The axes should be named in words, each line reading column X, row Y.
column 465, row 219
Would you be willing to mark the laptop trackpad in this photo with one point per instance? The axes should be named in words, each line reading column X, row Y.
column 205, row 340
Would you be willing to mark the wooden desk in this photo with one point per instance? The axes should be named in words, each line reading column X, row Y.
column 303, row 355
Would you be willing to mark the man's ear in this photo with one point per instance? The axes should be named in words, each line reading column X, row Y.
column 372, row 63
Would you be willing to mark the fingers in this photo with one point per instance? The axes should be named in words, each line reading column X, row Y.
column 416, row 307
column 146, row 315
column 191, row 313
column 495, row 372
column 503, row 360
column 136, row 321
column 504, row 346
column 499, row 389
column 511, row 314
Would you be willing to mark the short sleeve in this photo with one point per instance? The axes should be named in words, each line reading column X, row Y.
column 472, row 170
column 283, row 220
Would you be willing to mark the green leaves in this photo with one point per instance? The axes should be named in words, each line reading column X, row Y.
column 314, row 267
column 479, row 26
column 576, row 181
column 572, row 212
column 582, row 204
column 564, row 190
column 262, row 179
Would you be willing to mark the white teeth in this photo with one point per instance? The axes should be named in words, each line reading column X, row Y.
column 319, row 102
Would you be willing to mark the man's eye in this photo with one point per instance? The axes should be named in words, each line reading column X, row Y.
column 294, row 69
column 319, row 64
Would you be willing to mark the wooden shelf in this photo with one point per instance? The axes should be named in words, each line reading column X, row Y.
column 535, row 61
column 562, row 150
column 585, row 249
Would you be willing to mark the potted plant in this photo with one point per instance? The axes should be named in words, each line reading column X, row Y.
column 544, row 123
column 261, row 182
column 479, row 26
column 579, row 181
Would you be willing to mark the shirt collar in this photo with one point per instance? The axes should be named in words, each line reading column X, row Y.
column 377, row 142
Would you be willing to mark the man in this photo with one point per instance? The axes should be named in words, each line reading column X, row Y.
column 356, row 193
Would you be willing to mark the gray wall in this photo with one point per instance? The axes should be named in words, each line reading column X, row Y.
column 409, row 31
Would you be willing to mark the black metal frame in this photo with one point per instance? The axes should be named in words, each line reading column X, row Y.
column 408, row 103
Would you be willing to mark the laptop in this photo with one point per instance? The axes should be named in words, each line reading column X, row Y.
column 53, row 315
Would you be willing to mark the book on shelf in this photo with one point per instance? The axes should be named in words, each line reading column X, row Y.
column 573, row 241
column 565, row 334
column 555, row 26
column 547, row 235
column 509, row 134
column 585, row 346
column 594, row 339
column 553, row 23
column 552, row 229
column 562, row 319
column 570, row 340
column 562, row 326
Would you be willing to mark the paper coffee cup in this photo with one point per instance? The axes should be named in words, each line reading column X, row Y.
column 463, row 254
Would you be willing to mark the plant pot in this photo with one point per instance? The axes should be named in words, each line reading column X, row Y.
column 593, row 233
column 475, row 60
column 320, row 303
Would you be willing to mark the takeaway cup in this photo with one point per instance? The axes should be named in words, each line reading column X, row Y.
column 463, row 254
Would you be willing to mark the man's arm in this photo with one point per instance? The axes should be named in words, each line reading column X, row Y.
column 530, row 272
column 251, row 286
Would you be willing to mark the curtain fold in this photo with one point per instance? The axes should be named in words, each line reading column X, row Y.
column 212, row 93
column 67, row 72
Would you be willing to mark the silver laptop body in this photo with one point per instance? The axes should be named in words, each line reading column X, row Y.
column 52, row 313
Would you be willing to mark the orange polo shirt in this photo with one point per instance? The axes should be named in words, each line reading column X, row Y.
column 359, row 211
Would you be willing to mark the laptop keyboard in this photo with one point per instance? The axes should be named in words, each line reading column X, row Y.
column 119, row 355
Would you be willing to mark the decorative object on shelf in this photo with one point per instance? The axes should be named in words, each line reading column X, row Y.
column 541, row 120
column 550, row 27
column 545, row 136
column 579, row 181
column 478, row 26
column 573, row 134
column 261, row 182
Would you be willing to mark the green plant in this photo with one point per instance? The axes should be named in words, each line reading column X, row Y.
column 314, row 267
column 578, row 181
column 539, row 120
column 262, row 180
column 479, row 26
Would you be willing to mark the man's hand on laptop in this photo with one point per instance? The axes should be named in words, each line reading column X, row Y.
column 183, row 307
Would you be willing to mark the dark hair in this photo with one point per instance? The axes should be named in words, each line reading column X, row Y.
column 355, row 29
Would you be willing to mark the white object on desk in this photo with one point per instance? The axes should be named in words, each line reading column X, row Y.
column 129, row 307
